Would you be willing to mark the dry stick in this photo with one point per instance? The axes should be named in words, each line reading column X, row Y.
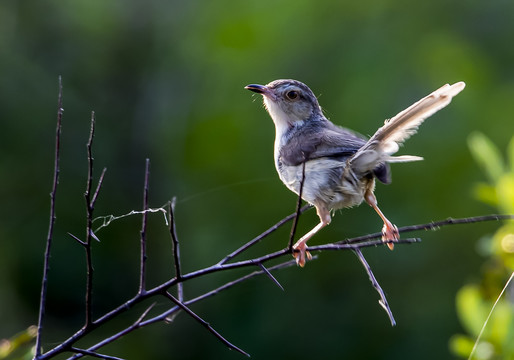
column 142, row 270
column 53, row 193
column 383, row 301
column 176, row 248
column 90, row 207
column 166, row 315
column 65, row 345
column 205, row 324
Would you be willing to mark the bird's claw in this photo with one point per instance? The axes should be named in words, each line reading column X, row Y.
column 390, row 233
column 300, row 252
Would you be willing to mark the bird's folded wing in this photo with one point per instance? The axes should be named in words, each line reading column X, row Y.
column 327, row 141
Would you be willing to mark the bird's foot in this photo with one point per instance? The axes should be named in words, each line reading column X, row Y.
column 390, row 233
column 300, row 252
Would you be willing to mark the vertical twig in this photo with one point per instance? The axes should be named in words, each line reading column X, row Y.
column 44, row 283
column 298, row 210
column 142, row 271
column 89, row 225
column 176, row 248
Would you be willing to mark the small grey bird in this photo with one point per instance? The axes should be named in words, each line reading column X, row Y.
column 340, row 165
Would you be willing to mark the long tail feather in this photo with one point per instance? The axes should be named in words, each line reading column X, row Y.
column 387, row 140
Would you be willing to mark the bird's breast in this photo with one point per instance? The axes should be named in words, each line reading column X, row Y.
column 326, row 182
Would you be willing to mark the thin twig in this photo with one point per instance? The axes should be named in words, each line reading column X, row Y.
column 206, row 325
column 89, row 226
column 142, row 270
column 298, row 207
column 383, row 301
column 489, row 316
column 53, row 193
column 176, row 248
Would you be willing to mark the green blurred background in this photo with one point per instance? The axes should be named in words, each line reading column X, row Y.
column 166, row 79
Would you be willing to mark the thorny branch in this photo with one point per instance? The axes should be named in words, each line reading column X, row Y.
column 180, row 303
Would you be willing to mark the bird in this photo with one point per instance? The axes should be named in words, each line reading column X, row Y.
column 336, row 167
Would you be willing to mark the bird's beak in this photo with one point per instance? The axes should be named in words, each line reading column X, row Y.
column 261, row 89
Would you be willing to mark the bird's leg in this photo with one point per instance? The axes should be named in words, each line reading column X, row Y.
column 300, row 248
column 389, row 231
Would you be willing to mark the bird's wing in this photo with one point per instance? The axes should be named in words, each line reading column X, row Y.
column 327, row 140
column 387, row 140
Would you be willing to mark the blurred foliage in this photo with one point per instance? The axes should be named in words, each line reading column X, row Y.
column 475, row 301
column 165, row 79
column 20, row 346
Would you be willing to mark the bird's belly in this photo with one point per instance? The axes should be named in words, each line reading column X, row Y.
column 326, row 182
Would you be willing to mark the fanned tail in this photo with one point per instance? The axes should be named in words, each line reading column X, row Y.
column 387, row 140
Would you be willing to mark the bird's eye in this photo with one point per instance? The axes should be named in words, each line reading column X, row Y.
column 292, row 95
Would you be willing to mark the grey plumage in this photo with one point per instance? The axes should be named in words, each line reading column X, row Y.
column 340, row 165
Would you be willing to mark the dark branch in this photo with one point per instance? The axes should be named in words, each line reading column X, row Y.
column 89, row 226
column 142, row 270
column 176, row 247
column 53, row 193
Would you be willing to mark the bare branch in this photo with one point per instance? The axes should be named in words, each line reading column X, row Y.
column 142, row 271
column 53, row 193
column 176, row 248
column 89, row 226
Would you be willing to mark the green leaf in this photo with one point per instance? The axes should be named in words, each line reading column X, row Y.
column 487, row 155
column 510, row 154
column 461, row 345
column 486, row 194
column 471, row 308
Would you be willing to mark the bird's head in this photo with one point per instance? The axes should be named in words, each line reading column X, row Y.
column 289, row 102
